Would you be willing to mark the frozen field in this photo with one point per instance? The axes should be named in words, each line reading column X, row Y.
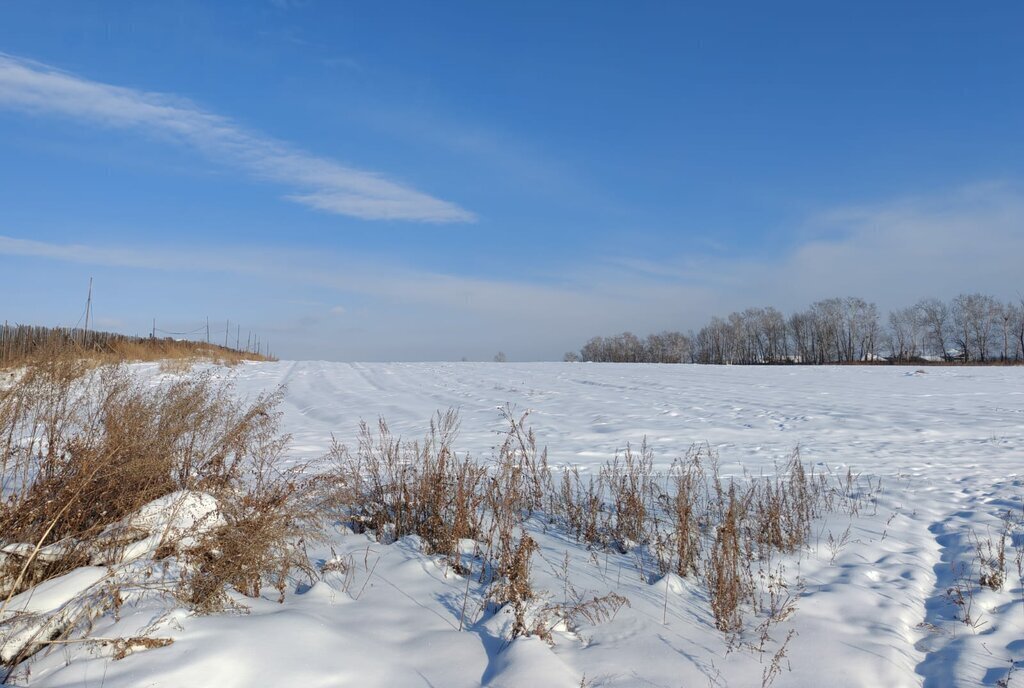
column 947, row 445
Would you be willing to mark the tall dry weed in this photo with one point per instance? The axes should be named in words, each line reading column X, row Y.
column 85, row 447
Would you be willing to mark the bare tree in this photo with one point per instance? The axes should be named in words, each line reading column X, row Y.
column 801, row 330
column 1020, row 330
column 667, row 347
column 773, row 324
column 861, row 329
column 1006, row 319
column 593, row 350
column 630, row 348
column 622, row 348
column 974, row 316
column 827, row 319
column 832, row 331
column 1016, row 321
column 905, row 332
column 935, row 321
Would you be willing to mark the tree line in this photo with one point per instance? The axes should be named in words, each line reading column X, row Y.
column 971, row 328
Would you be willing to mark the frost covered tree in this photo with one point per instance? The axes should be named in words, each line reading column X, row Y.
column 905, row 333
column 1019, row 329
column 974, row 319
column 1011, row 330
column 663, row 347
column 934, row 315
column 667, row 347
column 835, row 330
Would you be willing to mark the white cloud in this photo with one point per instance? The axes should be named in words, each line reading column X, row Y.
column 967, row 239
column 319, row 183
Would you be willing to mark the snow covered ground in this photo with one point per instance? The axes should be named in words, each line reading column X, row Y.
column 878, row 605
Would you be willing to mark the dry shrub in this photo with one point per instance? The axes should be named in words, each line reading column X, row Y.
column 724, row 532
column 122, row 647
column 721, row 531
column 85, row 447
column 728, row 571
column 617, row 508
column 991, row 555
column 631, row 484
column 686, row 515
column 579, row 502
column 521, row 470
column 512, row 585
column 785, row 507
column 397, row 488
column 595, row 610
column 261, row 540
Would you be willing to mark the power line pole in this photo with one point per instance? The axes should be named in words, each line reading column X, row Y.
column 207, row 329
column 88, row 309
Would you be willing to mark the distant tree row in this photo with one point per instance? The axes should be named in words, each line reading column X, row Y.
column 972, row 328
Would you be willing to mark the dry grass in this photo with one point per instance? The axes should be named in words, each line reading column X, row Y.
column 723, row 533
column 32, row 346
column 84, row 447
column 394, row 489
column 727, row 570
column 397, row 488
column 260, row 542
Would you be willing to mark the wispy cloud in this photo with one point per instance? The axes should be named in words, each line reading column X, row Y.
column 894, row 253
column 316, row 182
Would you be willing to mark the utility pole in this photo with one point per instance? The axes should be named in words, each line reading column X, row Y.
column 88, row 308
column 227, row 328
column 207, row 329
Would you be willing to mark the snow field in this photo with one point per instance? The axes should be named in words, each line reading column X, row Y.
column 945, row 447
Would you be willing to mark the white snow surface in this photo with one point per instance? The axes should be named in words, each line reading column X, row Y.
column 947, row 444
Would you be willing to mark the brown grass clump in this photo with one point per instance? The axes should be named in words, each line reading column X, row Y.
column 397, row 488
column 260, row 541
column 85, row 447
column 632, row 488
column 694, row 523
column 690, row 521
column 394, row 489
column 728, row 570
column 686, row 514
column 785, row 506
column 512, row 584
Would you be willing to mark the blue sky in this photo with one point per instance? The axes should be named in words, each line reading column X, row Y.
column 409, row 180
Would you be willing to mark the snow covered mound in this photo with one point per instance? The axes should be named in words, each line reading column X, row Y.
column 889, row 593
column 32, row 618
